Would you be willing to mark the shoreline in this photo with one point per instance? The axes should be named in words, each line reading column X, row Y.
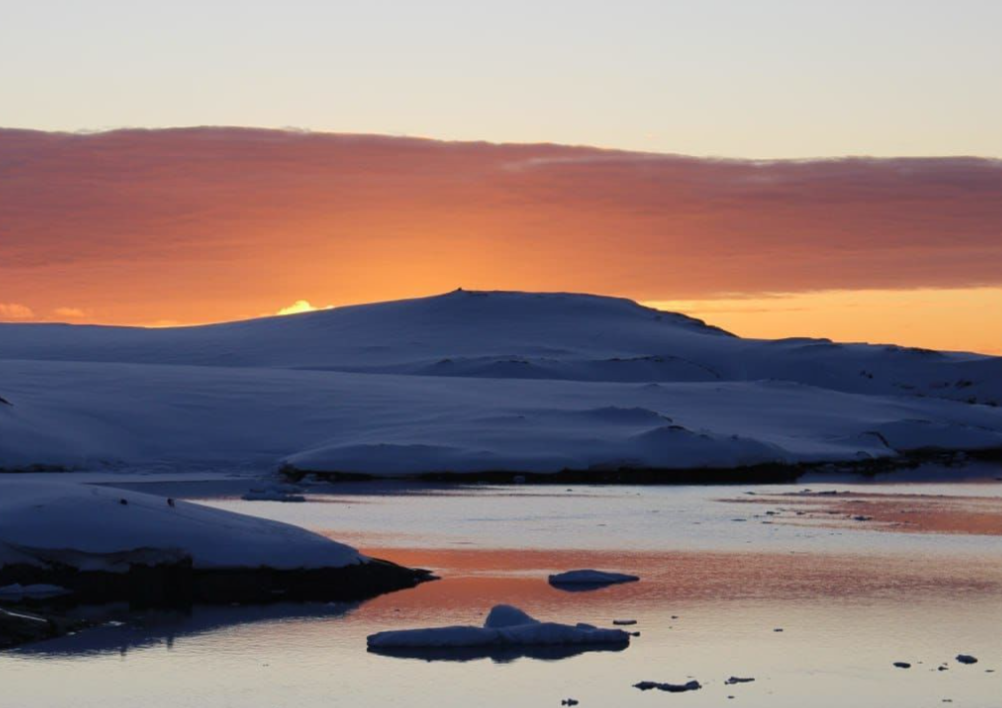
column 770, row 473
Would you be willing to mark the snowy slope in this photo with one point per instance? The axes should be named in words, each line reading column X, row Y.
column 470, row 382
column 44, row 520
column 518, row 335
column 86, row 415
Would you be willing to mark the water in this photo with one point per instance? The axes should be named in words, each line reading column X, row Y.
column 850, row 602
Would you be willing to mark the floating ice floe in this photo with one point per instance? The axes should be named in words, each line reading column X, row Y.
column 506, row 627
column 590, row 579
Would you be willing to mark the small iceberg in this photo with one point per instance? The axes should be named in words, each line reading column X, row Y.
column 589, row 579
column 507, row 633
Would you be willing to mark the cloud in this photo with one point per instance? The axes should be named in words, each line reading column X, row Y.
column 69, row 313
column 15, row 311
column 216, row 223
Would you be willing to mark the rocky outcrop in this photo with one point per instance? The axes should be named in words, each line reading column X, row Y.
column 175, row 582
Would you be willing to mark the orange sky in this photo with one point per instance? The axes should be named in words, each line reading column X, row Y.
column 197, row 225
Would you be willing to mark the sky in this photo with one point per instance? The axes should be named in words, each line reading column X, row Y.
column 720, row 186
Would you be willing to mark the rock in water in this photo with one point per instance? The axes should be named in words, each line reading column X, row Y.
column 669, row 687
column 21, row 627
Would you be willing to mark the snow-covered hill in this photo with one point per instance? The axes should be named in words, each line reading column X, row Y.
column 474, row 381
column 518, row 335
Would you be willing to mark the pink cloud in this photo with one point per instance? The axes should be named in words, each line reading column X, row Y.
column 211, row 217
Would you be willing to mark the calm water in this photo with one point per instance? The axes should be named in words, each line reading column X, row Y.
column 718, row 579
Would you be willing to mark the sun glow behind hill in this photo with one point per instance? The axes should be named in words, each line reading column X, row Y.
column 947, row 319
column 163, row 227
column 914, row 318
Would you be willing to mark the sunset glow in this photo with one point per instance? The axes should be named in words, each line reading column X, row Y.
column 206, row 225
column 500, row 353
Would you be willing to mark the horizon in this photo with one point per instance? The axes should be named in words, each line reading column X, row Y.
column 732, row 310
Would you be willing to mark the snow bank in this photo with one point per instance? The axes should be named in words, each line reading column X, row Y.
column 84, row 415
column 505, row 626
column 98, row 528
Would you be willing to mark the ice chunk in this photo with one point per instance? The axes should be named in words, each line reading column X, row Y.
column 505, row 626
column 590, row 577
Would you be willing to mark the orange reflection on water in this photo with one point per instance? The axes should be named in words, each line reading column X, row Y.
column 913, row 513
column 474, row 579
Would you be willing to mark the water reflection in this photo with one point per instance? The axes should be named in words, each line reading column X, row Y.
column 499, row 655
column 119, row 631
column 711, row 593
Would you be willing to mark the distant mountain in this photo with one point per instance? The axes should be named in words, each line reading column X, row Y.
column 519, row 335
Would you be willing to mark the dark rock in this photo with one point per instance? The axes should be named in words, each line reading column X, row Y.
column 902, row 664
column 160, row 580
column 18, row 626
column 966, row 659
column 736, row 679
column 669, row 687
